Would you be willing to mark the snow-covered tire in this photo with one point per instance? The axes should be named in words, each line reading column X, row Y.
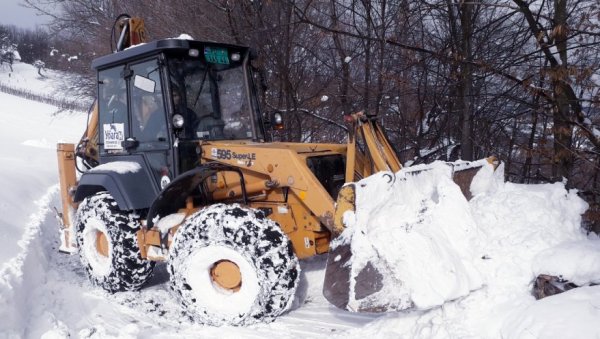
column 268, row 269
column 108, row 245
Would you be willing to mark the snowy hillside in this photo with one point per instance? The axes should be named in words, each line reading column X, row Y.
column 515, row 232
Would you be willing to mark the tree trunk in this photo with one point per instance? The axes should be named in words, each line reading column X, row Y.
column 380, row 68
column 367, row 79
column 466, row 81
column 563, row 128
column 345, row 80
column 526, row 173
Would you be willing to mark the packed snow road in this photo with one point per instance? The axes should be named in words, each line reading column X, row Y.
column 61, row 302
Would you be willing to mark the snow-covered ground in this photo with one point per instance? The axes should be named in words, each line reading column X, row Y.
column 515, row 232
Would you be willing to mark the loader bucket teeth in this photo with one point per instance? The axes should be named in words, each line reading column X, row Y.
column 337, row 287
column 337, row 273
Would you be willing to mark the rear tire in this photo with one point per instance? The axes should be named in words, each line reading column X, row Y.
column 265, row 268
column 108, row 246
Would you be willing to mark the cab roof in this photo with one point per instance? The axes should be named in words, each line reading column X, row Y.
column 158, row 46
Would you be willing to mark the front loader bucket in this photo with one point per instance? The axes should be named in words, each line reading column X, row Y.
column 360, row 285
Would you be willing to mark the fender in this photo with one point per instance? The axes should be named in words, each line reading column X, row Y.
column 173, row 197
column 131, row 190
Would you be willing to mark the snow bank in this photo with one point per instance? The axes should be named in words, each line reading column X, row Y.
column 20, row 275
column 575, row 261
column 505, row 235
column 573, row 314
column 28, row 170
column 520, row 221
column 28, row 178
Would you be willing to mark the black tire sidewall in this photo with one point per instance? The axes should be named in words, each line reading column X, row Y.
column 127, row 270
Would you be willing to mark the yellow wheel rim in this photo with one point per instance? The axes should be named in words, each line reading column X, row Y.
column 226, row 274
column 101, row 244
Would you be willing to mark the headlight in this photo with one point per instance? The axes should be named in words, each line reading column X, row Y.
column 277, row 121
column 178, row 120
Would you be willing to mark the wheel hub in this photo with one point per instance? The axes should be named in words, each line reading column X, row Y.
column 226, row 274
column 101, row 244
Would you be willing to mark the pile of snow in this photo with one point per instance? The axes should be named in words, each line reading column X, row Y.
column 573, row 314
column 184, row 36
column 436, row 249
column 121, row 167
column 558, row 261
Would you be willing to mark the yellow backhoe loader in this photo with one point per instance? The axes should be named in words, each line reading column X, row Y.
column 177, row 165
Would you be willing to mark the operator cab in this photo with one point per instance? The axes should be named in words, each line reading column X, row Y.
column 158, row 100
column 202, row 91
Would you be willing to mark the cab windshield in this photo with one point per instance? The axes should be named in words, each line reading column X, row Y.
column 212, row 100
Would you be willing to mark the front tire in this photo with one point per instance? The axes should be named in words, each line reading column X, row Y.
column 108, row 246
column 231, row 265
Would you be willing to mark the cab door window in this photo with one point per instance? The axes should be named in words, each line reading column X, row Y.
column 148, row 117
column 112, row 108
